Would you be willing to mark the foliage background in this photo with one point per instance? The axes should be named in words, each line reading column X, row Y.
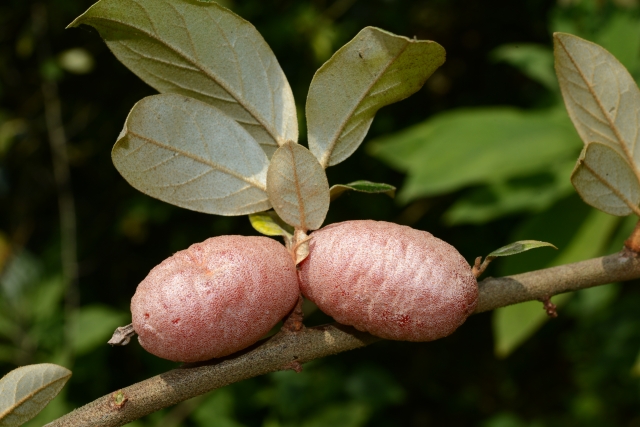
column 507, row 369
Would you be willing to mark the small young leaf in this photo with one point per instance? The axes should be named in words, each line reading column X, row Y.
column 362, row 187
column 187, row 153
column 204, row 51
column 270, row 224
column 605, row 180
column 602, row 100
column 28, row 389
column 374, row 69
column 298, row 187
column 518, row 247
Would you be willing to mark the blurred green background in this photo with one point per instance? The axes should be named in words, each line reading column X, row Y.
column 481, row 156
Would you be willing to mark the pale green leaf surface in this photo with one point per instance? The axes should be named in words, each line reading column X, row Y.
column 604, row 180
column 527, row 194
column 26, row 390
column 375, row 69
column 581, row 236
column 184, row 152
column 362, row 187
column 298, row 188
column 204, row 51
column 269, row 224
column 94, row 325
column 601, row 97
column 518, row 247
column 469, row 147
column 535, row 61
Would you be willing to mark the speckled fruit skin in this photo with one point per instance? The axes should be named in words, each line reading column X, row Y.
column 389, row 280
column 214, row 298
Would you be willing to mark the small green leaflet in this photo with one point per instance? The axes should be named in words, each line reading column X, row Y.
column 518, row 247
column 270, row 224
column 362, row 187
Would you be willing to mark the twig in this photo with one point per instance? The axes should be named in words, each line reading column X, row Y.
column 285, row 348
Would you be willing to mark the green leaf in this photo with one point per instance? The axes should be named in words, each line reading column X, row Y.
column 204, row 51
column 605, row 180
column 621, row 37
column 94, row 325
column 602, row 100
column 534, row 193
column 581, row 232
column 186, row 153
column 28, row 389
column 468, row 147
column 270, row 224
column 535, row 61
column 518, row 247
column 375, row 69
column 362, row 187
column 298, row 187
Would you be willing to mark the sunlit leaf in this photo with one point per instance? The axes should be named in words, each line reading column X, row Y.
column 362, row 187
column 605, row 180
column 519, row 247
column 270, row 224
column 28, row 389
column 602, row 100
column 374, row 69
column 204, row 51
column 186, row 153
column 533, row 193
column 468, row 147
column 298, row 187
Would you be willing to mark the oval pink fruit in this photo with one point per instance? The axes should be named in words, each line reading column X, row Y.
column 214, row 298
column 389, row 280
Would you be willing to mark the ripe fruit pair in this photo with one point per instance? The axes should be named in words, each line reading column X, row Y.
column 222, row 295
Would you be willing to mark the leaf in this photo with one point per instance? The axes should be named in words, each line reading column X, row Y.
column 468, row 147
column 270, row 224
column 601, row 97
column 28, row 389
column 204, row 51
column 604, row 180
column 375, row 69
column 186, row 153
column 94, row 325
column 518, row 247
column 298, row 187
column 362, row 187
column 535, row 61
column 533, row 193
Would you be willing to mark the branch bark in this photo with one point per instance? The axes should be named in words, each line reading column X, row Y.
column 287, row 349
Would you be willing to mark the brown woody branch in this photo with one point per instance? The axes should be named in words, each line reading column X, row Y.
column 287, row 349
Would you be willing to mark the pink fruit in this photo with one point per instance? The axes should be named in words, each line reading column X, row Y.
column 214, row 298
column 389, row 280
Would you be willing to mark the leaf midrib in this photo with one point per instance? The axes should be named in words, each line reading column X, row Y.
column 613, row 127
column 332, row 144
column 221, row 83
column 191, row 156
column 611, row 187
column 29, row 396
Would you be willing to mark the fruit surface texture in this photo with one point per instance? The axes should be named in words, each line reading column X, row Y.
column 390, row 280
column 214, row 298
